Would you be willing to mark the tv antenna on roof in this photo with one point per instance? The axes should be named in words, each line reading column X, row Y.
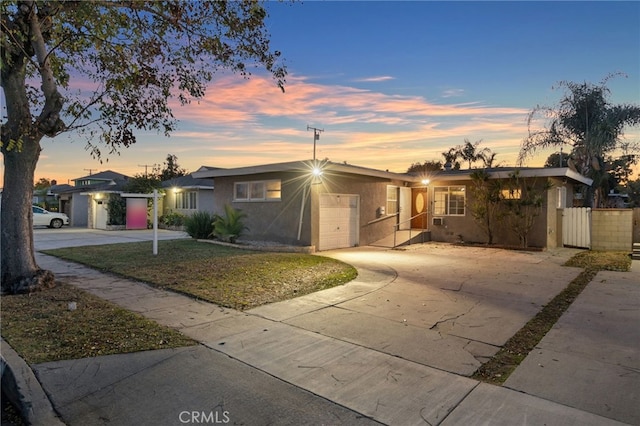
column 316, row 137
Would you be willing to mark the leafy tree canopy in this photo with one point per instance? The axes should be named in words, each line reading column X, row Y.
column 171, row 169
column 43, row 183
column 106, row 69
column 426, row 167
column 557, row 159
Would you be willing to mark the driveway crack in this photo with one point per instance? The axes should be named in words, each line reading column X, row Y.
column 436, row 326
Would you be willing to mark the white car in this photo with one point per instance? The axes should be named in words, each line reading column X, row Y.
column 41, row 217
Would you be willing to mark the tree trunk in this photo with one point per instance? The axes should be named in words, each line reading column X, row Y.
column 20, row 273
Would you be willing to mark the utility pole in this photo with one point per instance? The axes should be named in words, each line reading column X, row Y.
column 145, row 168
column 316, row 137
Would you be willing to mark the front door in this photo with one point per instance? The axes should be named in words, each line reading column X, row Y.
column 420, row 205
column 100, row 214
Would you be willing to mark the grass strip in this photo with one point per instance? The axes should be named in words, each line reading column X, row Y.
column 66, row 322
column 515, row 350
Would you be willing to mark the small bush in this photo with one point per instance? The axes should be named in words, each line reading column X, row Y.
column 230, row 226
column 199, row 225
column 173, row 219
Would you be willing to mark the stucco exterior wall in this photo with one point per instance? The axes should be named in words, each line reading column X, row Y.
column 612, row 229
column 80, row 212
column 465, row 228
column 276, row 220
column 279, row 220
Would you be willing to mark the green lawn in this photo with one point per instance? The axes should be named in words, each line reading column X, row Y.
column 230, row 277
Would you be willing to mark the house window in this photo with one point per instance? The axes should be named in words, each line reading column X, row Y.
column 512, row 194
column 262, row 190
column 186, row 200
column 392, row 199
column 562, row 197
column 449, row 200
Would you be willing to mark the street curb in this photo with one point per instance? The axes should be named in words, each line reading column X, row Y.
column 21, row 387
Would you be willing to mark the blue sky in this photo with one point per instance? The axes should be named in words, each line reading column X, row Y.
column 391, row 83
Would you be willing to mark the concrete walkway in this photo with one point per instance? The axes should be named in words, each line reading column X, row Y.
column 396, row 346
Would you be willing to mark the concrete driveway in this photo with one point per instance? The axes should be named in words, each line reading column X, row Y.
column 46, row 238
column 397, row 343
column 444, row 306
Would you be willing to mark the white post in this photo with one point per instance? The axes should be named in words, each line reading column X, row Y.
column 304, row 198
column 155, row 222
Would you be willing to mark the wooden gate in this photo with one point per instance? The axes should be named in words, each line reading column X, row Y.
column 576, row 227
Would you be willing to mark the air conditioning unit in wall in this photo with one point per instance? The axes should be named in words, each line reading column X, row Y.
column 437, row 221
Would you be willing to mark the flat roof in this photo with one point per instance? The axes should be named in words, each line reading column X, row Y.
column 300, row 166
column 450, row 175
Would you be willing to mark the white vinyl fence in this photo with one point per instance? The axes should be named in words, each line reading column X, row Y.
column 576, row 227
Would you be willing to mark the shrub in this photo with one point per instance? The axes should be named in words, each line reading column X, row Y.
column 230, row 226
column 116, row 210
column 199, row 225
column 173, row 219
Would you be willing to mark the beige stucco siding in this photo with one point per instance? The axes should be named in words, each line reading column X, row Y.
column 280, row 220
column 273, row 220
column 456, row 228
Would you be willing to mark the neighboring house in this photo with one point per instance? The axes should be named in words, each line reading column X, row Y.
column 186, row 195
column 48, row 197
column 85, row 202
column 342, row 205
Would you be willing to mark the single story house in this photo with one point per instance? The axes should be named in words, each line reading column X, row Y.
column 187, row 194
column 330, row 205
column 85, row 201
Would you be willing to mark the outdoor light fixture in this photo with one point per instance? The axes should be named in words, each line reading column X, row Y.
column 425, row 181
column 317, row 171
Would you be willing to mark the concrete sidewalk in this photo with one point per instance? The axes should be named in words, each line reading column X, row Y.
column 394, row 346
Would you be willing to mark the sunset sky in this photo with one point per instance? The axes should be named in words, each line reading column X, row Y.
column 391, row 83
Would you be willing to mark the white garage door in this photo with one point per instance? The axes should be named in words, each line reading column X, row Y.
column 338, row 221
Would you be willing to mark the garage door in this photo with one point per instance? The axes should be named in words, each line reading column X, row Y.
column 338, row 221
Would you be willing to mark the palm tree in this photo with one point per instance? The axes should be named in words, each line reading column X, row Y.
column 469, row 151
column 488, row 158
column 450, row 158
column 585, row 120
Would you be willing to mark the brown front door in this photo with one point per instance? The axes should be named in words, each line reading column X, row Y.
column 419, row 204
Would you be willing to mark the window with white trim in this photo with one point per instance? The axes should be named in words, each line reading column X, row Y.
column 392, row 199
column 260, row 190
column 186, row 200
column 449, row 200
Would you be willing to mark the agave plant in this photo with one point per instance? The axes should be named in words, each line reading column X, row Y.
column 230, row 226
